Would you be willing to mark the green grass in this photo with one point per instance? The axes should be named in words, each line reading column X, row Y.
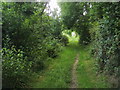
column 87, row 77
column 58, row 74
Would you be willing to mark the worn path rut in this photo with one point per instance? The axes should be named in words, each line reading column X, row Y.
column 74, row 75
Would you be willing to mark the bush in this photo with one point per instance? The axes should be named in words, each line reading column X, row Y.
column 16, row 69
column 64, row 40
column 53, row 48
column 107, row 39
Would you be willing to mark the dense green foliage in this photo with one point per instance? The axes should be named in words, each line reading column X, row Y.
column 16, row 69
column 107, row 38
column 30, row 38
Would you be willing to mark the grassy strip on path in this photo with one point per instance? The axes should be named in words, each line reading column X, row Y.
column 86, row 71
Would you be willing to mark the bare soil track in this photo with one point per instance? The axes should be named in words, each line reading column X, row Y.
column 74, row 75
